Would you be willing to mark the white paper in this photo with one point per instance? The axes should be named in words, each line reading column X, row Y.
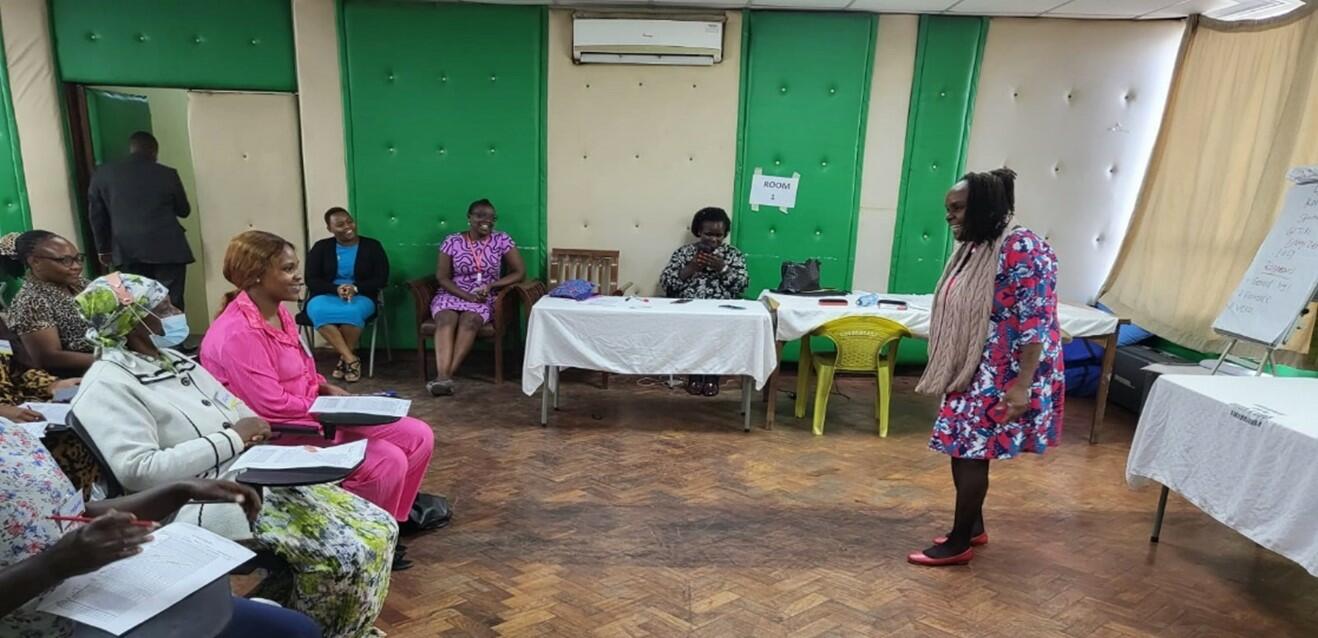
column 769, row 190
column 56, row 413
column 1283, row 276
column 182, row 559
column 36, row 429
column 383, row 406
column 293, row 457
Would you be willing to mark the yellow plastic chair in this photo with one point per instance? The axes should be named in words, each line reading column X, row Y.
column 864, row 345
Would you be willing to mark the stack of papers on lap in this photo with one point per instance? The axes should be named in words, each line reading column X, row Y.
column 382, row 406
column 182, row 559
column 297, row 457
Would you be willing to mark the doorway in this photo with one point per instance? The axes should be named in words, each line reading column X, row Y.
column 238, row 155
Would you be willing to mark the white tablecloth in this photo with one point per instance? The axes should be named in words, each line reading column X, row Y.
column 1242, row 449
column 649, row 336
column 799, row 316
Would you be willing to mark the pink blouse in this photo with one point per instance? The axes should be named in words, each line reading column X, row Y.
column 268, row 368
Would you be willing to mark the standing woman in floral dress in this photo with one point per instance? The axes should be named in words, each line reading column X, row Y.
column 995, row 352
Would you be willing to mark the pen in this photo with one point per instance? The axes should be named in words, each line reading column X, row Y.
column 84, row 519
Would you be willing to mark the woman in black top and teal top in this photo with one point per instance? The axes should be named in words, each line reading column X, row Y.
column 345, row 274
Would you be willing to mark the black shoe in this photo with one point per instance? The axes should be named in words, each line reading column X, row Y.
column 400, row 564
column 400, row 549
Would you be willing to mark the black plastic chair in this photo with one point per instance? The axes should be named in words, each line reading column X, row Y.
column 374, row 322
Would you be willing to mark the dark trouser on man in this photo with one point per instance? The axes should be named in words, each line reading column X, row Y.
column 171, row 275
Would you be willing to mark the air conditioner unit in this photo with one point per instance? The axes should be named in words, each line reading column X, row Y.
column 647, row 41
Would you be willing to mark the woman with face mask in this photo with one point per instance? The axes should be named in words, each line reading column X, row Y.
column 157, row 417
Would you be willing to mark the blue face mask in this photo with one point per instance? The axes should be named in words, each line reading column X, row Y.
column 176, row 331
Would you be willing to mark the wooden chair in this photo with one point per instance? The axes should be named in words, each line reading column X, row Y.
column 524, row 294
column 599, row 267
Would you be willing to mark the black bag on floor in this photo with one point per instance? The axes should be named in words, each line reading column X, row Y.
column 429, row 511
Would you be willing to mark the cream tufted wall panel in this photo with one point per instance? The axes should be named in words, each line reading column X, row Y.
column 635, row 151
column 1074, row 108
column 885, row 143
column 248, row 164
column 320, row 89
column 38, row 115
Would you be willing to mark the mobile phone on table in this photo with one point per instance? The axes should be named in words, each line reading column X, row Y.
column 833, row 301
column 683, row 301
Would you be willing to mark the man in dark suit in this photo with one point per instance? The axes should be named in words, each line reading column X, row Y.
column 134, row 205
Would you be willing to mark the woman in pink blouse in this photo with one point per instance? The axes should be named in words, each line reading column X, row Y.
column 253, row 348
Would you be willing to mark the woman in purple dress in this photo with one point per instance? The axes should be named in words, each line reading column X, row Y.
column 468, row 270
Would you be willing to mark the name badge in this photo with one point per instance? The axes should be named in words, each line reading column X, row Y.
column 226, row 399
column 5, row 348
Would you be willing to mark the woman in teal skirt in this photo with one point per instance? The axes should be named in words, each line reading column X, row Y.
column 345, row 274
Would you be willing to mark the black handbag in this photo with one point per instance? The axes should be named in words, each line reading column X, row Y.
column 429, row 512
column 799, row 277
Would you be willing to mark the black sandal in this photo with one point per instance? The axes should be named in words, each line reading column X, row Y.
column 712, row 387
column 695, row 385
column 339, row 371
column 352, row 372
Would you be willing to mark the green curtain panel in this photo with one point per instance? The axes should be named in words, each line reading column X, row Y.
column 445, row 105
column 947, row 59
column 805, row 87
column 196, row 44
column 112, row 118
column 14, row 212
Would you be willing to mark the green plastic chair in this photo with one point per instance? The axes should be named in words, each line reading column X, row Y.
column 864, row 345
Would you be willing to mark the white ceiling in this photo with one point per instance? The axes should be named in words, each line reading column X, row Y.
column 1095, row 9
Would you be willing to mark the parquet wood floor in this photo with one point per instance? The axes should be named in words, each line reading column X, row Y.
column 644, row 512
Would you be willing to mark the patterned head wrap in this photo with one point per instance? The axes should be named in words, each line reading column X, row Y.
column 114, row 304
column 9, row 245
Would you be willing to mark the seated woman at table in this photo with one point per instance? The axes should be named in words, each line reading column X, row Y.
column 37, row 553
column 995, row 352
column 42, row 314
column 345, row 274
column 157, row 417
column 707, row 268
column 253, row 348
column 468, row 270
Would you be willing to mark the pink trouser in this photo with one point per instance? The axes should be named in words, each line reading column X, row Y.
column 397, row 456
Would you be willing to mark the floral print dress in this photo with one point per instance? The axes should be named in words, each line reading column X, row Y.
column 32, row 488
column 729, row 284
column 1024, row 312
column 475, row 264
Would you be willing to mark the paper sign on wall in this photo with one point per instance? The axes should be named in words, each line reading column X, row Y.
column 770, row 190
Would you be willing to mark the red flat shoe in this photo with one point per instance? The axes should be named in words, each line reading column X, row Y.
column 975, row 541
column 919, row 558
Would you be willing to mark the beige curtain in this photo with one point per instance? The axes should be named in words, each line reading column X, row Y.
column 1243, row 109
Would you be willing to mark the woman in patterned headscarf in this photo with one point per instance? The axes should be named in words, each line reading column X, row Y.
column 158, row 417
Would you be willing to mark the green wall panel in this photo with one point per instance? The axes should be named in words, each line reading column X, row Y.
column 947, row 58
column 805, row 87
column 113, row 117
column 14, row 212
column 445, row 105
column 200, row 44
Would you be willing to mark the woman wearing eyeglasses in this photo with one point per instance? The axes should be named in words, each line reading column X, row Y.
column 471, row 269
column 43, row 313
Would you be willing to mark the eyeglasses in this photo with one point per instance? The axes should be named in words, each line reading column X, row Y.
column 68, row 261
